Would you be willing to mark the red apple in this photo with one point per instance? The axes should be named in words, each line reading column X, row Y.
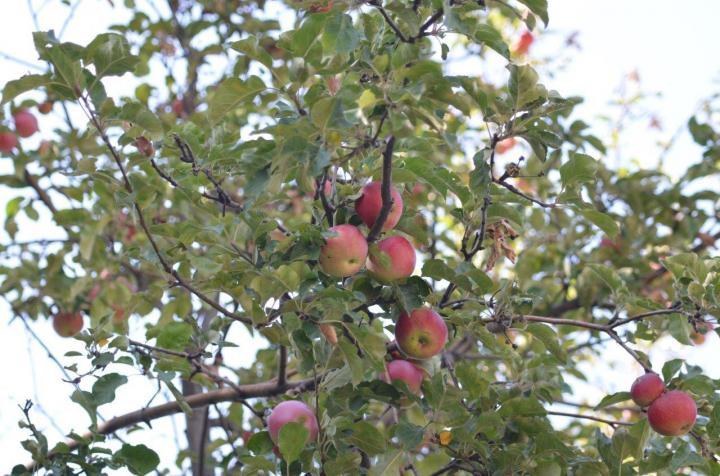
column 292, row 411
column 67, row 324
column 370, row 202
column 407, row 372
column 25, row 123
column 144, row 146
column 505, row 145
column 178, row 108
column 647, row 388
column 343, row 255
column 524, row 43
column 8, row 141
column 394, row 259
column 673, row 413
column 421, row 334
column 45, row 107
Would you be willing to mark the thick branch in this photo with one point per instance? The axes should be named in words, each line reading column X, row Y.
column 387, row 201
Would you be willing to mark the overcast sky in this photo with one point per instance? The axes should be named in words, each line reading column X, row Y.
column 673, row 50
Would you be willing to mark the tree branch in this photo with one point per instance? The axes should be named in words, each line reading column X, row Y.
column 387, row 201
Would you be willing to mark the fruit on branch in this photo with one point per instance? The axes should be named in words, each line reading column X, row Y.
column 524, row 42
column 25, row 123
column 421, row 334
column 292, row 411
column 45, row 107
column 329, row 332
column 392, row 259
column 647, row 388
column 144, row 146
column 8, row 141
column 327, row 188
column 548, row 469
column 67, row 324
column 178, row 107
column 370, row 202
column 673, row 413
column 505, row 145
column 405, row 371
column 344, row 254
column 699, row 334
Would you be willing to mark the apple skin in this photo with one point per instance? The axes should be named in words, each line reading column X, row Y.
column 421, row 334
column 67, row 324
column 524, row 43
column 703, row 329
column 292, row 411
column 407, row 372
column 45, row 107
column 8, row 141
column 401, row 255
column 25, row 123
column 673, row 413
column 505, row 145
column 370, row 202
column 345, row 254
column 647, row 388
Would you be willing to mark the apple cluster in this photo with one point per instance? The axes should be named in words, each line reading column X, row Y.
column 670, row 413
column 419, row 334
column 26, row 124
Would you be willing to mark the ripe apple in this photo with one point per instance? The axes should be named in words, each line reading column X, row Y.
column 703, row 329
column 524, row 42
column 292, row 411
column 394, row 259
column 8, row 141
column 45, row 107
column 178, row 107
column 647, row 388
column 25, row 123
column 343, row 255
column 67, row 324
column 421, row 334
column 673, row 413
column 405, row 371
column 505, row 145
column 370, row 202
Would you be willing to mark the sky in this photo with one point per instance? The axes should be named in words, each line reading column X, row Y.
column 670, row 47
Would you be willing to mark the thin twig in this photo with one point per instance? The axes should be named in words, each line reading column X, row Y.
column 385, row 191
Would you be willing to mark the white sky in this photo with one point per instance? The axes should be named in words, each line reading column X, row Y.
column 671, row 47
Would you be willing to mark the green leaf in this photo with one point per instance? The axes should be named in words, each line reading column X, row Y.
column 68, row 71
column 410, row 435
column 260, row 443
column 489, row 36
column 141, row 116
column 110, row 53
column 610, row 400
column 138, row 458
column 522, row 406
column 174, row 335
column 440, row 178
column 350, row 352
column 539, row 8
column 340, row 36
column 291, row 440
column 679, row 328
column 670, row 368
column 104, row 388
column 603, row 221
column 549, row 338
column 367, row 437
column 231, row 93
column 28, row 82
column 523, row 86
column 580, row 168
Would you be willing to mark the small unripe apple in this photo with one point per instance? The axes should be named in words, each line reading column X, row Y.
column 292, row 411
column 67, row 324
column 703, row 329
column 647, row 388
column 144, row 146
column 45, row 107
column 329, row 332
column 393, row 259
column 370, row 202
column 8, row 141
column 673, row 413
column 343, row 255
column 25, row 123
column 407, row 372
column 421, row 334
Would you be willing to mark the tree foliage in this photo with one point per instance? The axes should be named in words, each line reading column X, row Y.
column 201, row 203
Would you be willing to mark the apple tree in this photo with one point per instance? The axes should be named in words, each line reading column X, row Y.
column 422, row 233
